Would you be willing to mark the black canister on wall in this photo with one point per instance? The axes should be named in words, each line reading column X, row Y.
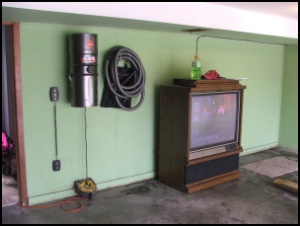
column 83, row 52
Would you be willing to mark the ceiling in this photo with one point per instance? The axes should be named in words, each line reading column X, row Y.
column 287, row 10
column 65, row 13
column 282, row 9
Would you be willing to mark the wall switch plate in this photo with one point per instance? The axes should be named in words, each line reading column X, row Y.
column 56, row 165
column 54, row 94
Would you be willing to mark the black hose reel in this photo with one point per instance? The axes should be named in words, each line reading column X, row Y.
column 124, row 79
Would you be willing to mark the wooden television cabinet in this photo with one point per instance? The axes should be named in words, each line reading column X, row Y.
column 177, row 168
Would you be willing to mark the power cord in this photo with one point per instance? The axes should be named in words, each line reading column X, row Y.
column 236, row 39
column 86, row 154
column 61, row 203
column 55, row 124
column 72, row 199
column 86, row 187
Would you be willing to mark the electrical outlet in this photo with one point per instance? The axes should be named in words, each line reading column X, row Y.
column 56, row 165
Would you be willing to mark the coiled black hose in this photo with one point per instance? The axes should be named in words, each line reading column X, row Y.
column 125, row 82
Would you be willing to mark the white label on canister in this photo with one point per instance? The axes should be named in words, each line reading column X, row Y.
column 88, row 59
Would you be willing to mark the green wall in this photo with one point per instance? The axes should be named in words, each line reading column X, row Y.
column 123, row 146
column 288, row 137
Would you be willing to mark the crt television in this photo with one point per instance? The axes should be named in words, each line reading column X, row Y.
column 214, row 123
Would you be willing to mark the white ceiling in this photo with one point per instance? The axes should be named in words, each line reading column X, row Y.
column 268, row 22
column 282, row 9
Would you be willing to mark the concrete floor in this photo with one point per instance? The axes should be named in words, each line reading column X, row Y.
column 9, row 190
column 251, row 199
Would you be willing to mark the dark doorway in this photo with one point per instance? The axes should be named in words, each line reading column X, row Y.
column 9, row 173
column 12, row 112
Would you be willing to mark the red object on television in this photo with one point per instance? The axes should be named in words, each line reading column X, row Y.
column 211, row 75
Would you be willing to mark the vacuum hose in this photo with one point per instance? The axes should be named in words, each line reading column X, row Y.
column 125, row 81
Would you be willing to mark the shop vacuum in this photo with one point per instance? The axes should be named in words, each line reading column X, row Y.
column 83, row 77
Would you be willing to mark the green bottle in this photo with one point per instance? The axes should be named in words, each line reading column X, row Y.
column 196, row 68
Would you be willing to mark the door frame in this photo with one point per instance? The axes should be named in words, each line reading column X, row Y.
column 18, row 114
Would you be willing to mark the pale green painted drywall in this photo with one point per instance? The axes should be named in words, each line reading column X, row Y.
column 123, row 146
column 288, row 137
column 261, row 64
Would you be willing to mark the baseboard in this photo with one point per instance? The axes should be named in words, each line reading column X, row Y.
column 53, row 197
column 248, row 151
column 295, row 151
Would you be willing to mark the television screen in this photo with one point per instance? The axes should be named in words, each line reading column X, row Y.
column 214, row 119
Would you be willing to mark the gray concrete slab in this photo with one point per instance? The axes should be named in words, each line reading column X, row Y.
column 251, row 199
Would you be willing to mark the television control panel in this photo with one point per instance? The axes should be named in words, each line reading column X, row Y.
column 217, row 150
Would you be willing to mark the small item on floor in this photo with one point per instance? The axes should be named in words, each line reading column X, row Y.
column 287, row 185
column 85, row 188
